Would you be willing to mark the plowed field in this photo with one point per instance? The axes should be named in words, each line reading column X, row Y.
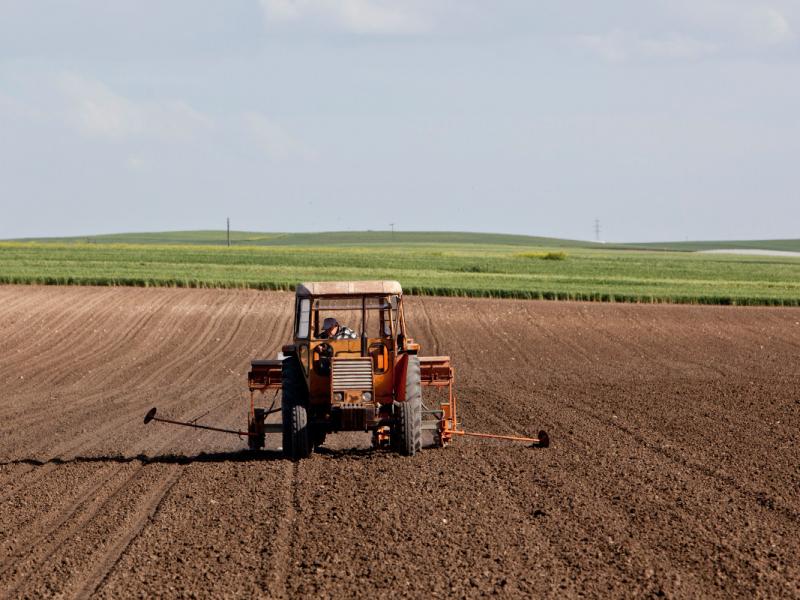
column 674, row 467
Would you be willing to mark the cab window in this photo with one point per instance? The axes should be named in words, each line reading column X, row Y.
column 303, row 317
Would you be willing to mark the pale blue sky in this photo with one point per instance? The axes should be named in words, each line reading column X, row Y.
column 667, row 119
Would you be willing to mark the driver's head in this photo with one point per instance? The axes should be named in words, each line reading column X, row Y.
column 330, row 326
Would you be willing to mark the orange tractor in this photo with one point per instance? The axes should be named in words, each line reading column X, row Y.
column 333, row 379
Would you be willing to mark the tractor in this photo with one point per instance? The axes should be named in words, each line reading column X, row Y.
column 332, row 379
column 371, row 383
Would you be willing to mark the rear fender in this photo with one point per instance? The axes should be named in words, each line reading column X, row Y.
column 400, row 369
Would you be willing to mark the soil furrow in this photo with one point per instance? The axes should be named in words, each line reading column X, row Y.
column 277, row 556
column 65, row 328
column 673, row 469
column 113, row 553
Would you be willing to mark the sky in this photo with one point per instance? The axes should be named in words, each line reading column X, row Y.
column 664, row 120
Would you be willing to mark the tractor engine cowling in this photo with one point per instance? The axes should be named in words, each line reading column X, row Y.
column 351, row 381
column 353, row 406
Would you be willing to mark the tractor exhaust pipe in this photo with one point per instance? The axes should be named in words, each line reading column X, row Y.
column 151, row 416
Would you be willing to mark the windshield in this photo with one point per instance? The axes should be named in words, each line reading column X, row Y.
column 342, row 318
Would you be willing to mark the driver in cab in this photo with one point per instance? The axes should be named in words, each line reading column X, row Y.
column 331, row 330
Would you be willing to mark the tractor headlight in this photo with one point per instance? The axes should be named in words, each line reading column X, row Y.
column 367, row 396
column 338, row 396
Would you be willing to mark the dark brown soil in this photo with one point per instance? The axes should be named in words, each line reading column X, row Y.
column 674, row 468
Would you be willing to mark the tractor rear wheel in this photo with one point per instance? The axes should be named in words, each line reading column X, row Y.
column 301, row 442
column 296, row 442
column 407, row 431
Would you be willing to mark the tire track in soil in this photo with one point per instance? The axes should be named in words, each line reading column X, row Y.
column 86, row 495
column 223, row 386
column 109, row 425
column 428, row 326
column 93, row 488
column 95, row 510
column 679, row 460
column 682, row 519
column 614, row 423
column 277, row 558
column 504, row 340
column 589, row 445
column 88, row 508
column 220, row 349
column 114, row 342
column 142, row 516
column 229, row 339
column 58, row 377
column 29, row 308
column 50, row 466
column 65, row 329
column 11, row 301
column 55, row 378
column 63, row 512
column 538, row 551
column 51, row 533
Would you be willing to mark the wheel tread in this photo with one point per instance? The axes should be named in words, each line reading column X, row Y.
column 407, row 438
column 296, row 444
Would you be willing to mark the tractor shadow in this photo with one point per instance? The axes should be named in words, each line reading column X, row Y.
column 350, row 452
column 169, row 459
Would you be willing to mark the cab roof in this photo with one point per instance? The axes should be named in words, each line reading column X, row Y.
column 349, row 288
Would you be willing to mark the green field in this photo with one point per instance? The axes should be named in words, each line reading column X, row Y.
column 780, row 245
column 425, row 263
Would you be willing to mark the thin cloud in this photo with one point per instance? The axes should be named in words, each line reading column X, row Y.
column 619, row 46
column 691, row 30
column 739, row 21
column 354, row 16
column 272, row 139
column 95, row 110
column 678, row 47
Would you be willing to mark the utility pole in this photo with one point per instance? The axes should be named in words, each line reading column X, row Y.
column 392, row 226
column 229, row 232
column 597, row 229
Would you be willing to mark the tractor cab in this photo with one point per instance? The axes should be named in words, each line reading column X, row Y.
column 354, row 361
column 349, row 360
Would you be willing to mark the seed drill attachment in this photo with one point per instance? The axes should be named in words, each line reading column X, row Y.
column 437, row 373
